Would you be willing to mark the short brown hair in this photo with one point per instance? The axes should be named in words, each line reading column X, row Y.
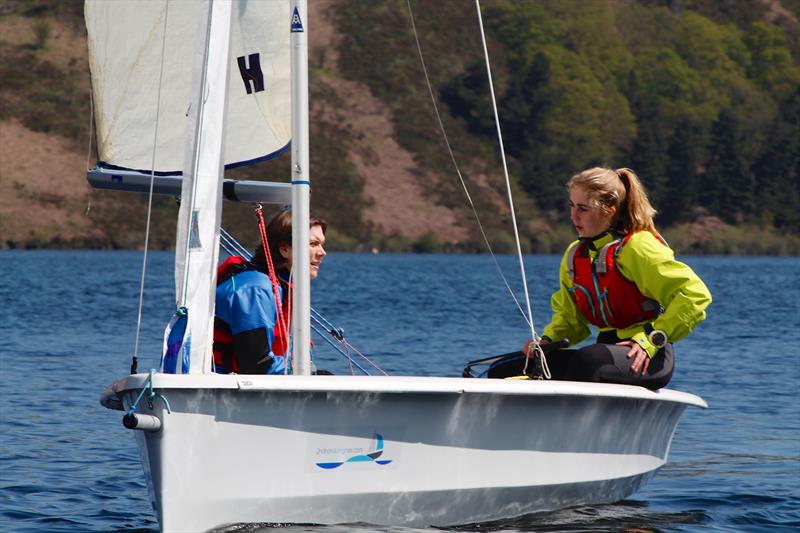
column 279, row 232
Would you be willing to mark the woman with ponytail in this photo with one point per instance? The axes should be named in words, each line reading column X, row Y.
column 621, row 277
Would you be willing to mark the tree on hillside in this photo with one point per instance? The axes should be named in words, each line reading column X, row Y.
column 777, row 170
column 524, row 115
column 771, row 64
column 681, row 172
column 729, row 186
column 648, row 153
column 465, row 96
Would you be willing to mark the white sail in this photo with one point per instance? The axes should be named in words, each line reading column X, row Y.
column 197, row 242
column 134, row 44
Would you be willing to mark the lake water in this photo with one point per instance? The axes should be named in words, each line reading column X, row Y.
column 68, row 329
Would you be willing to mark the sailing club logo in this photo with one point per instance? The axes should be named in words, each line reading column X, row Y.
column 297, row 24
column 356, row 455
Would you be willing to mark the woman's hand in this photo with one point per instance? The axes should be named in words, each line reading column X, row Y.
column 527, row 348
column 640, row 359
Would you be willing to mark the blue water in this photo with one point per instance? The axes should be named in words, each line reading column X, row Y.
column 68, row 329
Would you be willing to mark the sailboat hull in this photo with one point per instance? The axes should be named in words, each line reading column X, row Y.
column 386, row 450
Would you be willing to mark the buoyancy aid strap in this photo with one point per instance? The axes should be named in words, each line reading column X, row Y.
column 282, row 325
column 622, row 242
column 601, row 263
column 650, row 305
column 661, row 238
column 571, row 260
column 233, row 265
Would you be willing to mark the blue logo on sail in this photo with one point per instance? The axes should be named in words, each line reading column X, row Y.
column 297, row 24
column 362, row 458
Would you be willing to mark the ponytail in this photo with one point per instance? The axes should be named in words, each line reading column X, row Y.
column 636, row 213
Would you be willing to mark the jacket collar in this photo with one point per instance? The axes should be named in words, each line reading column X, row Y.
column 597, row 242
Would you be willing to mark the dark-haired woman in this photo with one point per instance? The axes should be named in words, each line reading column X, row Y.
column 249, row 336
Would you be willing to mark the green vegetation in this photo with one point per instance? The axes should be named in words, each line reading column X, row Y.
column 700, row 98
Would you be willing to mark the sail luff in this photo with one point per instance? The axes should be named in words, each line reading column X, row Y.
column 301, row 270
column 197, row 245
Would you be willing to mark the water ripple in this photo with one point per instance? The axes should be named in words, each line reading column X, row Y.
column 68, row 465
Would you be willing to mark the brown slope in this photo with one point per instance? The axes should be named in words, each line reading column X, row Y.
column 392, row 179
column 44, row 196
column 43, row 191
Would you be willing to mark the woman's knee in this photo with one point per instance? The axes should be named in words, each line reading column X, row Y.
column 588, row 360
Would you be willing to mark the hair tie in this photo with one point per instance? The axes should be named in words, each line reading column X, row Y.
column 620, row 172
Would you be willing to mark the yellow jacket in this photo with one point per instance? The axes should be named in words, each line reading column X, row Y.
column 658, row 275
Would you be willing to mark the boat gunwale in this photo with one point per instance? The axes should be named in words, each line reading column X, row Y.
column 399, row 385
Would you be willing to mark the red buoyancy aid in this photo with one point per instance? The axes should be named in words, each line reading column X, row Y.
column 602, row 294
column 224, row 354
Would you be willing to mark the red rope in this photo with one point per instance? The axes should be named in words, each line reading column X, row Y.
column 283, row 322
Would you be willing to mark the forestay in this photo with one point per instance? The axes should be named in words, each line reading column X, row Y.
column 134, row 45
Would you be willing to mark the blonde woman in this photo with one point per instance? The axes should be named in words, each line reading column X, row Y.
column 621, row 277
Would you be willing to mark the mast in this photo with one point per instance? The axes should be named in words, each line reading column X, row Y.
column 197, row 245
column 301, row 271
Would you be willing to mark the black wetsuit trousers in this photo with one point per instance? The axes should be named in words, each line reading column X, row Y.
column 603, row 362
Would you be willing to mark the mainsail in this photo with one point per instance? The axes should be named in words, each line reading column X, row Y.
column 141, row 56
column 189, row 87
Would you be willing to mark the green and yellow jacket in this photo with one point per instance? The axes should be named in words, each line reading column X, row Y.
column 652, row 266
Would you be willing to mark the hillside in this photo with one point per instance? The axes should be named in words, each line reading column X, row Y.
column 689, row 117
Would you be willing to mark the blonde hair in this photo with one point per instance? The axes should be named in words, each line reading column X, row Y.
column 620, row 189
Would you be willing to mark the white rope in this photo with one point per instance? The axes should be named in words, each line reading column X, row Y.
column 455, row 164
column 150, row 194
column 508, row 189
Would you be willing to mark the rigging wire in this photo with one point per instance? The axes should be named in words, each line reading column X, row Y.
column 150, row 195
column 534, row 340
column 455, row 164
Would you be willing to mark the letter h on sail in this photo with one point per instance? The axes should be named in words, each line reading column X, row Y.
column 251, row 74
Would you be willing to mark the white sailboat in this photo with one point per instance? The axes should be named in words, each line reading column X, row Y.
column 316, row 449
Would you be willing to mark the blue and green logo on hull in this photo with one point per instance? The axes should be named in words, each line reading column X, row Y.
column 362, row 458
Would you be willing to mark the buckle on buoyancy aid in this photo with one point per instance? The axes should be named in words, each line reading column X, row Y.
column 601, row 263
